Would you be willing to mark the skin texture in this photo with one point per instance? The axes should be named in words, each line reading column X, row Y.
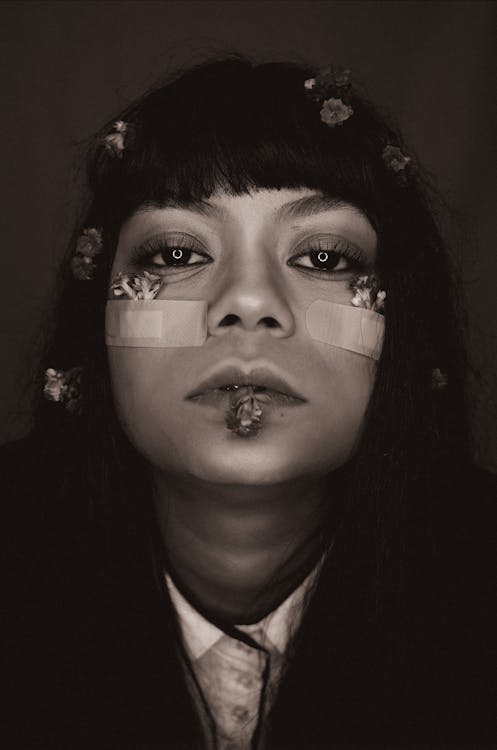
column 237, row 513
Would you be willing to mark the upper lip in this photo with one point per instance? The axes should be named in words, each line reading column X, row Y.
column 237, row 375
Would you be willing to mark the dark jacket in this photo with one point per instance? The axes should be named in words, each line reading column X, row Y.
column 90, row 651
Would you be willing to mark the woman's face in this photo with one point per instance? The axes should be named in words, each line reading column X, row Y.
column 258, row 261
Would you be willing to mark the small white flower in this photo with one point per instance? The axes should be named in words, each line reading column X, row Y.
column 55, row 385
column 64, row 387
column 89, row 242
column 245, row 415
column 114, row 142
column 335, row 112
column 82, row 267
column 136, row 285
column 379, row 304
column 362, row 298
column 395, row 159
column 88, row 246
column 439, row 379
column 310, row 84
column 367, row 294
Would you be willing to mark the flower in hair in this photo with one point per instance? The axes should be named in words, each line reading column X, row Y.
column 395, row 159
column 333, row 77
column 114, row 141
column 136, row 285
column 367, row 294
column 335, row 112
column 88, row 246
column 54, row 384
column 328, row 81
column 89, row 242
column 439, row 379
column 64, row 387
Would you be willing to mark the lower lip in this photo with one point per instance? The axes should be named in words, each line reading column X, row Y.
column 223, row 399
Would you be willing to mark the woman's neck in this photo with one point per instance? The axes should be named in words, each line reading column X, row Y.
column 237, row 552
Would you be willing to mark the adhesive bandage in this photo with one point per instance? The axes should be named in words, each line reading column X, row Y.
column 347, row 327
column 155, row 322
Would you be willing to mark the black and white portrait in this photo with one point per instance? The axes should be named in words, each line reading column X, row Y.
column 249, row 431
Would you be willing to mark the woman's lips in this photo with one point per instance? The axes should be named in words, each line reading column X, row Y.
column 264, row 381
column 222, row 397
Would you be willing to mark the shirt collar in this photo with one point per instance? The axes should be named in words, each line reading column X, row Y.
column 276, row 628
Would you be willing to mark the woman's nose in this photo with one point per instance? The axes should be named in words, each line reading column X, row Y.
column 252, row 302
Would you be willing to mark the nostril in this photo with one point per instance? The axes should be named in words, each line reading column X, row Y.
column 270, row 322
column 229, row 320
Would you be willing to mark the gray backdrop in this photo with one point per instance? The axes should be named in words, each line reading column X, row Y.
column 68, row 66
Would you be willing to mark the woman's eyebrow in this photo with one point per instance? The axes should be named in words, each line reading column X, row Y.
column 312, row 204
column 204, row 208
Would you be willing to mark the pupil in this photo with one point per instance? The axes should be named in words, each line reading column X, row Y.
column 326, row 259
column 176, row 256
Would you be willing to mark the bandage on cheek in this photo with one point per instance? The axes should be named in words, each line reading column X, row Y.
column 352, row 328
column 155, row 323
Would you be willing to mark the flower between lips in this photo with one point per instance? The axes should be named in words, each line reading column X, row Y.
column 245, row 414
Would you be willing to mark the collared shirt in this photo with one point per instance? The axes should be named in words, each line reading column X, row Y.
column 234, row 683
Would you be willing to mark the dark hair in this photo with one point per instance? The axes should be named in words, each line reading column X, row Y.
column 237, row 126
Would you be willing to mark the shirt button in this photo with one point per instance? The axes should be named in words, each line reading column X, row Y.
column 240, row 713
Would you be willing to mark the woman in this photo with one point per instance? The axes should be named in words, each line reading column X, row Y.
column 248, row 513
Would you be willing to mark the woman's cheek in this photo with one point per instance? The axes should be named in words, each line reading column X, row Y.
column 341, row 395
column 150, row 388
column 146, row 395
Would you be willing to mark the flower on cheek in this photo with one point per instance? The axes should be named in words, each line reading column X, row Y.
column 136, row 285
column 367, row 294
column 335, row 112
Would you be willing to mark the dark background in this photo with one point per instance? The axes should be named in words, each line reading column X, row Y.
column 67, row 67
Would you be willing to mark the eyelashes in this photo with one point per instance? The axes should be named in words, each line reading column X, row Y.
column 324, row 255
column 172, row 252
column 328, row 255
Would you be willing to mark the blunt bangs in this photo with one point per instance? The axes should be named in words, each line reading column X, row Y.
column 238, row 128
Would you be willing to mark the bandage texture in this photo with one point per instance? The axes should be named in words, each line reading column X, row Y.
column 155, row 323
column 352, row 328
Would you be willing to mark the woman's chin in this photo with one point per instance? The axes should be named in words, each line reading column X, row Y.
column 269, row 456
column 246, row 461
column 287, row 444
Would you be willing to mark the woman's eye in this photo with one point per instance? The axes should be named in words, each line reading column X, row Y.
column 175, row 251
column 333, row 255
column 177, row 256
column 324, row 260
